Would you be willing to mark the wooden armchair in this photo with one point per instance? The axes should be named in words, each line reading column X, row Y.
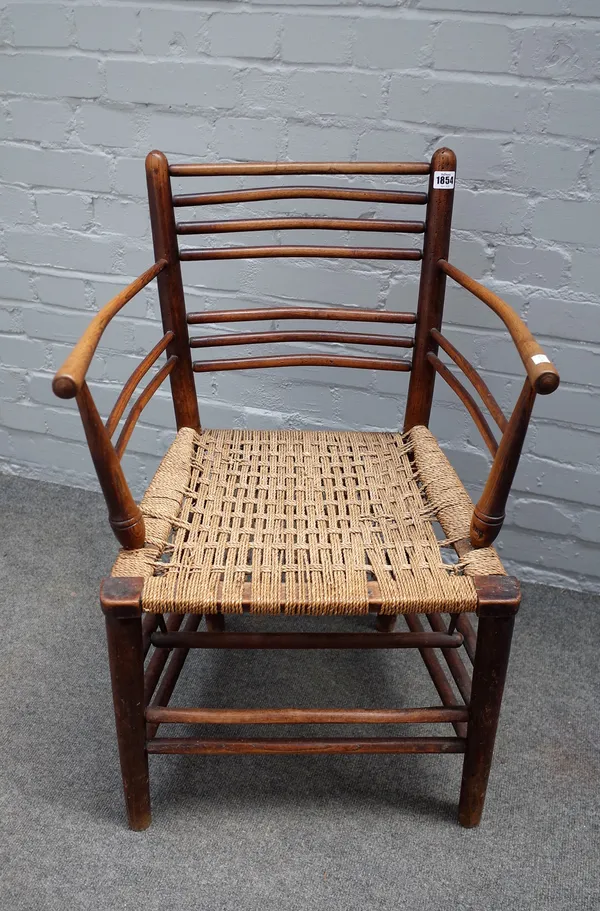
column 296, row 522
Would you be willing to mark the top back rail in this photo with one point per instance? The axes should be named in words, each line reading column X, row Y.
column 270, row 168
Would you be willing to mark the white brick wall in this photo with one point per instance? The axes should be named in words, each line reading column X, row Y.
column 512, row 85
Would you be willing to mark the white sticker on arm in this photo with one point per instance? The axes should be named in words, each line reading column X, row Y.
column 540, row 359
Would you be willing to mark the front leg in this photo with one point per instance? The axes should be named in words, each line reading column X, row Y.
column 120, row 600
column 494, row 635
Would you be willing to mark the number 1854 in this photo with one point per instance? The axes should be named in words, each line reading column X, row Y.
column 443, row 180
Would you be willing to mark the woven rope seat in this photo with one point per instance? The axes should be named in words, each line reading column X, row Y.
column 306, row 522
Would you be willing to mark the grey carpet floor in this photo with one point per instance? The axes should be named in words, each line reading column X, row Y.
column 291, row 832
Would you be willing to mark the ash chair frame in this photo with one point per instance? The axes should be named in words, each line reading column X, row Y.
column 163, row 637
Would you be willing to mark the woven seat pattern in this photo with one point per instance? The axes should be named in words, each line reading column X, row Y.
column 305, row 522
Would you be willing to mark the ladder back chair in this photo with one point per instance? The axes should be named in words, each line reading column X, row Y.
column 314, row 522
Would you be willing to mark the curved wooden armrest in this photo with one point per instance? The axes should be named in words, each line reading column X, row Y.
column 70, row 378
column 542, row 373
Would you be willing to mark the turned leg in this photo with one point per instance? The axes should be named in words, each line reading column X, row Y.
column 120, row 599
column 489, row 673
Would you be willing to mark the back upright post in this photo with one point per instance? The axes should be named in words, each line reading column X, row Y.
column 170, row 289
column 432, row 285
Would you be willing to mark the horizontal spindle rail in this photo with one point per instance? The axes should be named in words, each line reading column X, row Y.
column 290, row 223
column 471, row 373
column 248, row 168
column 308, row 335
column 141, row 402
column 305, row 640
column 467, row 400
column 133, row 381
column 192, row 745
column 429, row 715
column 302, row 360
column 316, row 313
column 261, row 194
column 195, row 255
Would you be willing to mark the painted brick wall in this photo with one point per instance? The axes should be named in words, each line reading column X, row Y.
column 511, row 85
